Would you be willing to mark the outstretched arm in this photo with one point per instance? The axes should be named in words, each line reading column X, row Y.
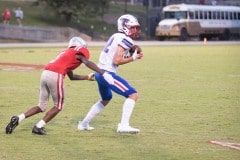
column 89, row 64
column 94, row 67
column 73, row 76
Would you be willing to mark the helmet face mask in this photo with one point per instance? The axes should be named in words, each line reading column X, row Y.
column 77, row 42
column 129, row 25
column 134, row 31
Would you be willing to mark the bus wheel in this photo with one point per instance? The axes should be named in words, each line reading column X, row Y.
column 201, row 37
column 183, row 35
column 161, row 38
column 226, row 35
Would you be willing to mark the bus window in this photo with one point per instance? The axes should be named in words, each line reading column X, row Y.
column 196, row 15
column 218, row 15
column 214, row 15
column 222, row 15
column 210, row 15
column 191, row 15
column 201, row 15
column 205, row 15
column 169, row 15
column 181, row 15
column 235, row 15
column 230, row 15
column 176, row 15
column 238, row 15
column 226, row 15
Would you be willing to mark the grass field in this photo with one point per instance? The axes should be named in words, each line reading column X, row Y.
column 189, row 95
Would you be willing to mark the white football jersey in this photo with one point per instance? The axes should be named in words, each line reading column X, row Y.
column 107, row 54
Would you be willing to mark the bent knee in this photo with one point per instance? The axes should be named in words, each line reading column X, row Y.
column 43, row 106
column 133, row 96
column 107, row 98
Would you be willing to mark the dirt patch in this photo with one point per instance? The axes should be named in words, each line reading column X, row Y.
column 19, row 66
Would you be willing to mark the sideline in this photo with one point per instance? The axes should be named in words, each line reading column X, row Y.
column 102, row 43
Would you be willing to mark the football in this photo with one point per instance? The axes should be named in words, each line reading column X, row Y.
column 134, row 47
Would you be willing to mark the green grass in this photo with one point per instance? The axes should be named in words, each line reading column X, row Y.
column 188, row 96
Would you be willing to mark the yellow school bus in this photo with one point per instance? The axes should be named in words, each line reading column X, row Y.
column 204, row 21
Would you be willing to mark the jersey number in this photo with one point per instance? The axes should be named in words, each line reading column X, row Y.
column 58, row 56
column 106, row 48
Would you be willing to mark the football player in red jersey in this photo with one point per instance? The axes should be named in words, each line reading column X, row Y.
column 51, row 83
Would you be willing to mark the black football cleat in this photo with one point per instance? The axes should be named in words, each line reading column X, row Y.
column 39, row 131
column 12, row 124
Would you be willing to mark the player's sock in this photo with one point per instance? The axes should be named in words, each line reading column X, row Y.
column 95, row 110
column 127, row 111
column 21, row 117
column 40, row 124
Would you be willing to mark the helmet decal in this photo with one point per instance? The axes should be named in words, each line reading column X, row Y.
column 124, row 21
column 129, row 25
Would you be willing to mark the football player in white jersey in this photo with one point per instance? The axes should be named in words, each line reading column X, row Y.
column 114, row 54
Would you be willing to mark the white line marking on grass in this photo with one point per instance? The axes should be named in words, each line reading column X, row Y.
column 15, row 68
column 226, row 144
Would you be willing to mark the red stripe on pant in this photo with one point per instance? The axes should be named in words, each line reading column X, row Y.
column 60, row 92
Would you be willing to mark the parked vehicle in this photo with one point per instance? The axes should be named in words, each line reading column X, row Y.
column 204, row 21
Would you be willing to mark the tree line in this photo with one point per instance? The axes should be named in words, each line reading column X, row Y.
column 71, row 9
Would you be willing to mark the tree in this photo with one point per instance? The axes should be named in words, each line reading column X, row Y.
column 74, row 8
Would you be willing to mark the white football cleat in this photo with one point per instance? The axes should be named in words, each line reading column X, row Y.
column 127, row 129
column 82, row 127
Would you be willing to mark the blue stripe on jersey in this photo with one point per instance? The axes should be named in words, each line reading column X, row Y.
column 127, row 43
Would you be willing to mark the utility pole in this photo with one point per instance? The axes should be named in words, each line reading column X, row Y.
column 125, row 6
column 146, row 4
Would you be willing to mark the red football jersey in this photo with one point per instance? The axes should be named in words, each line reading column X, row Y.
column 66, row 60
